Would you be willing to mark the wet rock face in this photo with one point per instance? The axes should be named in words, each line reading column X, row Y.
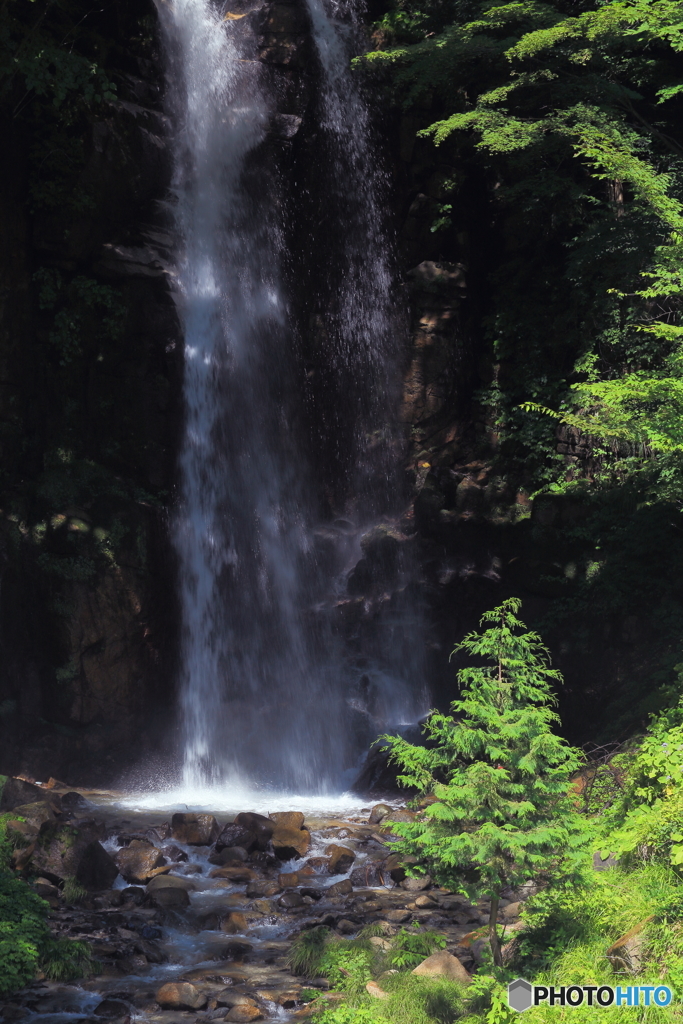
column 83, row 649
column 65, row 851
column 17, row 791
column 138, row 862
column 195, row 829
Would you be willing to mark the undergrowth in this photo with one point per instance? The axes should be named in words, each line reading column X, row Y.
column 26, row 945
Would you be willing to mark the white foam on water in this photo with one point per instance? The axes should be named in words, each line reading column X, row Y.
column 232, row 798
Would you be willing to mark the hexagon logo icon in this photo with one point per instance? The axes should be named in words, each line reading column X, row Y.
column 519, row 995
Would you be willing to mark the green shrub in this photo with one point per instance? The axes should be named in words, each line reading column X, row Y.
column 66, row 959
column 23, row 932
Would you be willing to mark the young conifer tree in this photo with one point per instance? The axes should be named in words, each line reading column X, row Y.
column 498, row 774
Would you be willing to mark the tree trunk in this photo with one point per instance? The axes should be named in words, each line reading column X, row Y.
column 493, row 932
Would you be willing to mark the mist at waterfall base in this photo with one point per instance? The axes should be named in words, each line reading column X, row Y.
column 273, row 695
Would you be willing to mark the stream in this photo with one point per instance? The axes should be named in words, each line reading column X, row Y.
column 226, row 942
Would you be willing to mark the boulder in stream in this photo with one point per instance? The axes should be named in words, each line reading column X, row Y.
column 261, row 826
column 288, row 819
column 18, row 791
column 228, row 855
column 342, row 888
column 170, row 892
column 138, row 861
column 290, row 842
column 235, row 835
column 378, row 812
column 180, row 995
column 64, row 851
column 195, row 829
column 234, row 923
column 341, row 859
column 243, row 1014
column 263, row 888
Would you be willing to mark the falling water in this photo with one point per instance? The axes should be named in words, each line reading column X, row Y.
column 264, row 679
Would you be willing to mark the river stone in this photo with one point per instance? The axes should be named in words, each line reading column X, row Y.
column 174, row 854
column 378, row 812
column 261, row 826
column 238, row 875
column 263, row 888
column 318, row 864
column 133, row 894
column 230, row 998
column 138, row 861
column 291, row 899
column 37, row 813
column 416, row 884
column 180, row 995
column 371, row 873
column 288, row 819
column 64, row 851
column 341, row 859
column 291, row 842
column 394, row 866
column 171, row 899
column 426, row 902
column 170, row 882
column 443, row 965
column 134, row 964
column 235, row 834
column 243, row 1014
column 112, row 1008
column 96, row 869
column 263, row 906
column 512, row 910
column 46, row 889
column 229, row 855
column 17, row 791
column 398, row 916
column 373, row 989
column 195, row 829
column 75, row 805
column 399, row 814
column 234, row 923
column 288, row 879
column 346, row 927
column 312, row 893
column 340, row 888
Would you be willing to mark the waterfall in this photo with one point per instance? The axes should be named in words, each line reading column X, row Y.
column 264, row 693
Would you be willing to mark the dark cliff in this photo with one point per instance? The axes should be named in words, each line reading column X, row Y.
column 90, row 415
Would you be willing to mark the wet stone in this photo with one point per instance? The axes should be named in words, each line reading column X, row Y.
column 137, row 861
column 263, row 888
column 416, row 884
column 378, row 812
column 288, row 819
column 397, row 916
column 340, row 888
column 341, row 859
column 291, row 899
column 290, row 842
column 112, row 1008
column 181, row 995
column 195, row 829
column 235, row 834
column 234, row 923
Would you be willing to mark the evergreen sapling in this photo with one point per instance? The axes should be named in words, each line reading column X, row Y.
column 498, row 775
